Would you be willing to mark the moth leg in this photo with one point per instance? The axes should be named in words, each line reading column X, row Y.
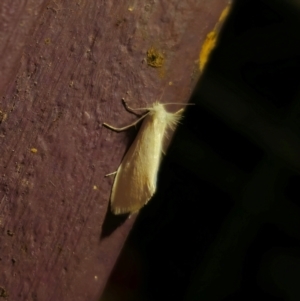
column 179, row 111
column 125, row 127
column 131, row 110
column 111, row 174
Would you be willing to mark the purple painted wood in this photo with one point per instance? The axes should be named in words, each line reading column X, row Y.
column 64, row 67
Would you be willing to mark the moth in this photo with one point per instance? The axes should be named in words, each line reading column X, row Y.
column 135, row 180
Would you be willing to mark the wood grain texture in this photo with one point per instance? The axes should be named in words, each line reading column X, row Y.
column 65, row 65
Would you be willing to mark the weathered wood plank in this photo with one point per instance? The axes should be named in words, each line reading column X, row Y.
column 64, row 68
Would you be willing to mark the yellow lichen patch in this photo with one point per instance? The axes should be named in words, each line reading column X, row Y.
column 95, row 187
column 130, row 8
column 224, row 13
column 211, row 39
column 47, row 41
column 3, row 116
column 25, row 183
column 18, row 167
column 208, row 45
column 3, row 293
column 33, row 150
column 155, row 58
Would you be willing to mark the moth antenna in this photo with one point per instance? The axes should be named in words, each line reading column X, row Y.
column 178, row 103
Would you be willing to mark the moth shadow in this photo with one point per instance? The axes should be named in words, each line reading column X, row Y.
column 111, row 223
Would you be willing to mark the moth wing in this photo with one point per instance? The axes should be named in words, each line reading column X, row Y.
column 135, row 181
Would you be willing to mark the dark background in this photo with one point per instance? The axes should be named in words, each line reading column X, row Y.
column 224, row 224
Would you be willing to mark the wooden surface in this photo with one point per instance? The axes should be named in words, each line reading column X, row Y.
column 64, row 67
